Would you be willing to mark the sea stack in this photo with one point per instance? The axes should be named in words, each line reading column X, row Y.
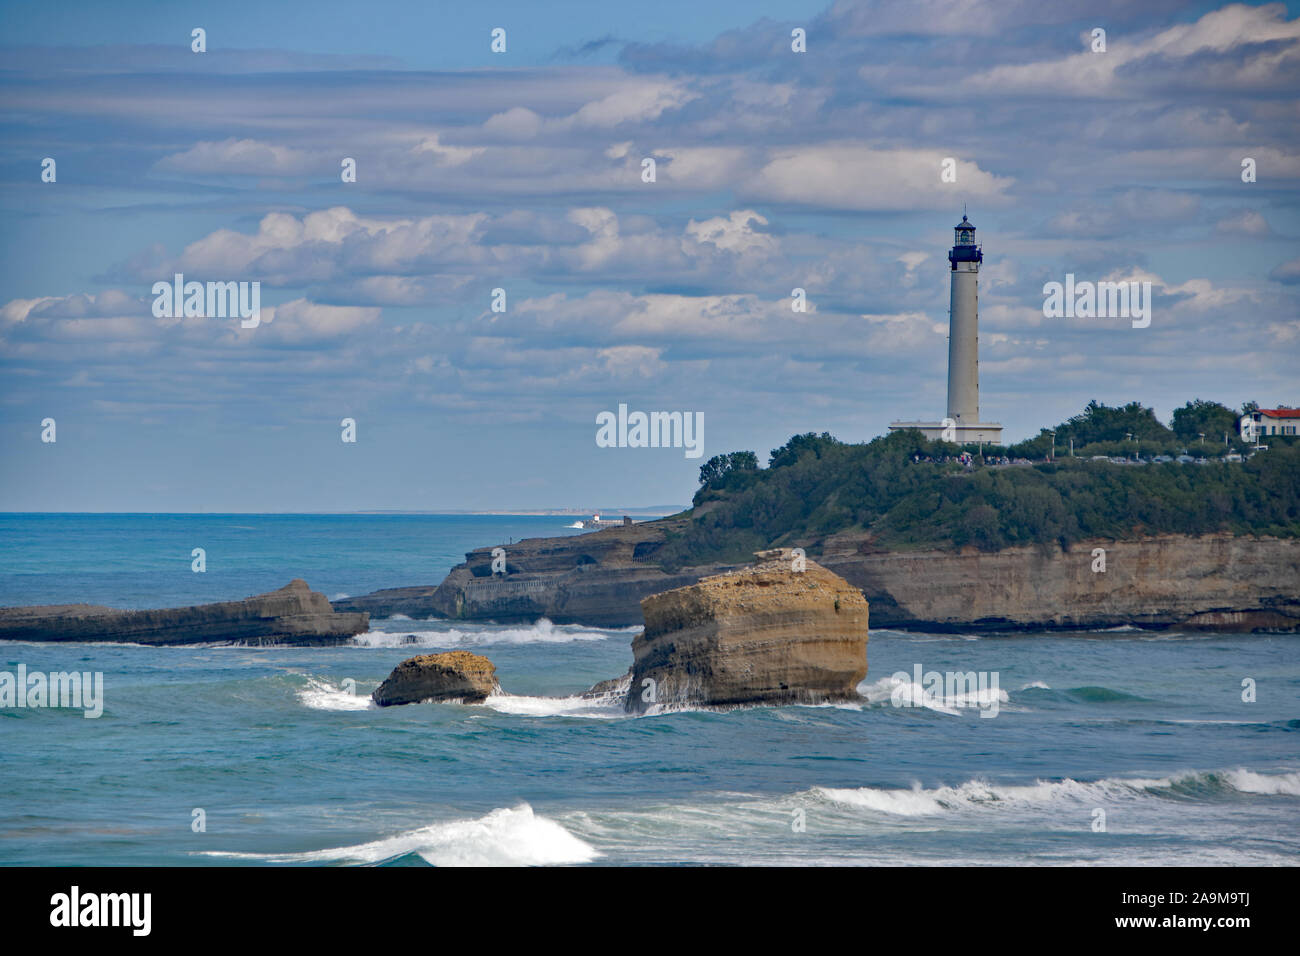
column 785, row 631
column 454, row 676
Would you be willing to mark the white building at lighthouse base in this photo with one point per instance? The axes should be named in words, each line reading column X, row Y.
column 987, row 433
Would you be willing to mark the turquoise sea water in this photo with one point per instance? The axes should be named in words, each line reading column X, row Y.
column 145, row 560
column 289, row 764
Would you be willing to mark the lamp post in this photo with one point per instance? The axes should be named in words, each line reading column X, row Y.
column 1053, row 456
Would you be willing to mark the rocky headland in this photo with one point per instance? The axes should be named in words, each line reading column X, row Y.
column 597, row 579
column 294, row 614
column 1208, row 582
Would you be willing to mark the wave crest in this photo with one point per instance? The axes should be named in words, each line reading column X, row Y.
column 504, row 837
column 543, row 632
column 322, row 695
column 901, row 693
column 981, row 795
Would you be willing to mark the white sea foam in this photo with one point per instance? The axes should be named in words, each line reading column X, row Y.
column 504, row 837
column 905, row 693
column 543, row 632
column 1036, row 683
column 322, row 695
column 977, row 795
column 1247, row 781
column 981, row 795
column 522, row 706
column 905, row 803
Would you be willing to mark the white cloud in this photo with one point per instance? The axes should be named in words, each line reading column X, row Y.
column 1218, row 31
column 733, row 233
column 304, row 321
column 447, row 155
column 853, row 176
column 239, row 157
column 633, row 104
column 1288, row 273
column 518, row 122
column 1248, row 222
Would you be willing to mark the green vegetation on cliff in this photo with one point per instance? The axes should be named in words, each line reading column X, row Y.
column 815, row 486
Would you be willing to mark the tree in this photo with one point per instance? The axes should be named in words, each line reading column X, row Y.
column 1200, row 417
column 720, row 466
column 1037, row 447
column 799, row 445
column 1100, row 422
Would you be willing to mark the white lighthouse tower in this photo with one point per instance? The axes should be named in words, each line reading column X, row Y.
column 963, row 423
column 963, row 327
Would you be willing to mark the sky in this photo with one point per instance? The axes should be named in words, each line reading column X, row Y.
column 523, row 171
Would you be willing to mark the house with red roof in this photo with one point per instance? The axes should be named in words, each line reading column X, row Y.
column 1273, row 421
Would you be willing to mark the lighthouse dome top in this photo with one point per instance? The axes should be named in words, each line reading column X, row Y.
column 965, row 248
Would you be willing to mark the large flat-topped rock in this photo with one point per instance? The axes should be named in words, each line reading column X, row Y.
column 453, row 676
column 293, row 614
column 783, row 631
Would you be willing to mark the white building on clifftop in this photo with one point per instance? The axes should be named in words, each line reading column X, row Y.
column 963, row 423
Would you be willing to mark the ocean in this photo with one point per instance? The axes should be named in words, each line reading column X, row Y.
column 1123, row 747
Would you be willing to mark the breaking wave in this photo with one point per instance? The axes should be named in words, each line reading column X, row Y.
column 543, row 632
column 322, row 695
column 906, row 693
column 576, row 706
column 504, row 837
column 978, row 795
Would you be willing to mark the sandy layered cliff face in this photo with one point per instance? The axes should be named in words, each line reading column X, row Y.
column 770, row 634
column 294, row 614
column 1219, row 582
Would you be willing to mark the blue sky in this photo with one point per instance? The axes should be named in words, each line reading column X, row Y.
column 775, row 170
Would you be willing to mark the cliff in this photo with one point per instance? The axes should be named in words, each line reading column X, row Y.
column 780, row 632
column 1213, row 582
column 294, row 614
column 597, row 579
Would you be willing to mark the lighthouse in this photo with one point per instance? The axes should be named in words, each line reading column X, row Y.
column 962, row 424
column 963, row 326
